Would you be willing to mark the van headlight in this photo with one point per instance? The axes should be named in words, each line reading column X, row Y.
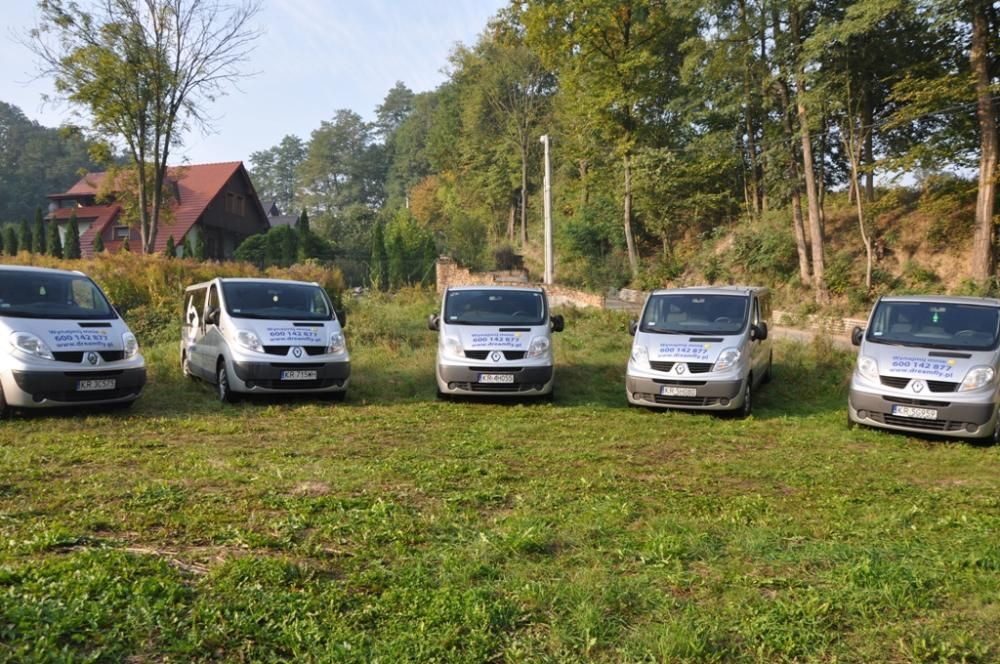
column 727, row 359
column 640, row 356
column 130, row 345
column 337, row 344
column 452, row 346
column 976, row 378
column 868, row 368
column 29, row 344
column 539, row 346
column 249, row 340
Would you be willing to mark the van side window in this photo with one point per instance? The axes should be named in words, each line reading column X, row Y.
column 213, row 299
column 194, row 307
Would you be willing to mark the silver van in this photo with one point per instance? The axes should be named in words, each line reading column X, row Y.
column 65, row 345
column 700, row 348
column 929, row 364
column 495, row 341
column 264, row 336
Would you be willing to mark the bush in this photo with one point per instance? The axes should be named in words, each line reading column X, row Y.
column 765, row 249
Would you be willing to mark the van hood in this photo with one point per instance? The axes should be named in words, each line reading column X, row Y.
column 683, row 348
column 926, row 363
column 69, row 334
column 287, row 333
column 487, row 337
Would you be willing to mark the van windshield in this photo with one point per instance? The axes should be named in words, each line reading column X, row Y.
column 52, row 295
column 695, row 313
column 494, row 307
column 943, row 325
column 276, row 301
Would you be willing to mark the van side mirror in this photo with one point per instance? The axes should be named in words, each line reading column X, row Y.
column 856, row 335
column 758, row 332
column 558, row 323
column 633, row 325
column 341, row 317
column 212, row 317
column 434, row 322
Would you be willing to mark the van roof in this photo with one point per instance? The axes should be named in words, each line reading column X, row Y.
column 724, row 290
column 244, row 280
column 534, row 289
column 47, row 270
column 945, row 299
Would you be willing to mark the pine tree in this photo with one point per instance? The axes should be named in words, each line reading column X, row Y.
column 38, row 233
column 72, row 248
column 126, row 248
column 429, row 256
column 199, row 249
column 171, row 250
column 98, row 246
column 54, row 242
column 24, row 242
column 289, row 247
column 10, row 240
column 379, row 268
column 186, row 246
column 396, row 251
column 302, row 225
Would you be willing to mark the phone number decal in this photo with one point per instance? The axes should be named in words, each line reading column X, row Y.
column 79, row 339
column 921, row 366
column 685, row 351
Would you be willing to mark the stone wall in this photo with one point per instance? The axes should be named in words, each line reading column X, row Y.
column 450, row 273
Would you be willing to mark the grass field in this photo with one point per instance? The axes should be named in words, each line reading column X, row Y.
column 393, row 527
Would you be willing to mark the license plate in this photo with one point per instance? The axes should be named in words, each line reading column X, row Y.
column 671, row 391
column 96, row 385
column 496, row 378
column 918, row 413
column 298, row 375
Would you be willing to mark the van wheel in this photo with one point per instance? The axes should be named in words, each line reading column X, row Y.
column 337, row 396
column 993, row 438
column 222, row 386
column 767, row 373
column 4, row 408
column 851, row 424
column 747, row 407
column 551, row 396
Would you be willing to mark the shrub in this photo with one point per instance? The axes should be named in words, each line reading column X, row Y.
column 765, row 249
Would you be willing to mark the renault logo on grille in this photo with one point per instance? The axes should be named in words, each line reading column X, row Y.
column 918, row 386
column 681, row 368
column 92, row 357
column 496, row 356
column 297, row 352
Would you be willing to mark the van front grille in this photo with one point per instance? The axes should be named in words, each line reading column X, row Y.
column 498, row 387
column 483, row 354
column 942, row 386
column 76, row 356
column 917, row 423
column 894, row 381
column 686, row 401
column 917, row 402
column 693, row 367
column 283, row 350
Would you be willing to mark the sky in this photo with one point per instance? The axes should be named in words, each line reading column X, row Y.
column 315, row 57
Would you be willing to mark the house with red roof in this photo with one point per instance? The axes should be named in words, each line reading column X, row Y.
column 211, row 203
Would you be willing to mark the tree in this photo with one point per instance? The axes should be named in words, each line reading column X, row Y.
column 199, row 248
column 72, row 249
column 188, row 249
column 340, row 168
column 379, row 271
column 54, row 242
column 171, row 249
column 98, row 246
column 10, row 244
column 984, row 67
column 302, row 225
column 126, row 247
column 38, row 233
column 253, row 250
column 144, row 73
column 24, row 237
column 275, row 171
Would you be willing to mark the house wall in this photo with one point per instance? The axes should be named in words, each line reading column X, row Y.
column 231, row 217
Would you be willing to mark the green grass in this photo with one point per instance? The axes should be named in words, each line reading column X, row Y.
column 393, row 527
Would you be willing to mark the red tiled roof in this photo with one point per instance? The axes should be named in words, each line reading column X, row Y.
column 197, row 185
column 99, row 216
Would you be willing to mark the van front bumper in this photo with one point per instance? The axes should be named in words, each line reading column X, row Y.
column 527, row 380
column 960, row 419
column 709, row 394
column 266, row 376
column 51, row 389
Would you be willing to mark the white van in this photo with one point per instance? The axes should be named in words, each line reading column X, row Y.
column 929, row 364
column 264, row 336
column 700, row 348
column 65, row 345
column 495, row 341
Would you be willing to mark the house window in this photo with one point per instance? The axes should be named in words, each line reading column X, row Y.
column 121, row 232
column 241, row 206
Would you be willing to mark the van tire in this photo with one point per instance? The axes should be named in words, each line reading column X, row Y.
column 747, row 408
column 222, row 387
column 550, row 396
column 993, row 438
column 851, row 424
column 441, row 396
column 186, row 367
column 4, row 408
column 338, row 396
column 767, row 374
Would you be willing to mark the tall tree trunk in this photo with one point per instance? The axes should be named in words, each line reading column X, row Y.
column 812, row 194
column 868, row 130
column 801, row 245
column 511, row 219
column 633, row 258
column 982, row 243
column 754, row 184
column 524, row 194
